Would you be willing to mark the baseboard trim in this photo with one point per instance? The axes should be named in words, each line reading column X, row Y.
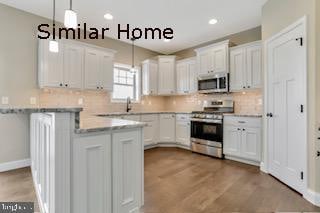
column 7, row 166
column 241, row 160
column 312, row 196
column 263, row 168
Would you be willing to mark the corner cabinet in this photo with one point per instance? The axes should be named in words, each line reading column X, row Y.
column 213, row 58
column 186, row 76
column 242, row 139
column 76, row 66
column 149, row 77
column 166, row 75
column 246, row 67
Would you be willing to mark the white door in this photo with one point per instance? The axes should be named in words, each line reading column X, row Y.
column 92, row 67
column 205, row 62
column 286, row 70
column 52, row 65
column 232, row 140
column 73, row 66
column 182, row 78
column 237, row 69
column 220, row 59
column 250, row 143
column 254, row 67
column 92, row 172
column 106, row 71
column 193, row 80
column 167, row 128
column 183, row 133
column 127, row 171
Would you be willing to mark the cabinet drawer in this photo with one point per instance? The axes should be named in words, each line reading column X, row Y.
column 183, row 117
column 242, row 121
column 167, row 116
column 149, row 118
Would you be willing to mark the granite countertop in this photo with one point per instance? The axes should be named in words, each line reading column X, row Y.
column 17, row 110
column 243, row 115
column 139, row 113
column 97, row 124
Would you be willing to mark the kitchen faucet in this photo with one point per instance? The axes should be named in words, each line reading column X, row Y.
column 129, row 107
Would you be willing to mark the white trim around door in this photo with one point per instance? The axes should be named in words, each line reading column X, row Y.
column 7, row 166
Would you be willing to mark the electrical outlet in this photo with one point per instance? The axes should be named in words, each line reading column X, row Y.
column 5, row 100
column 80, row 101
column 33, row 100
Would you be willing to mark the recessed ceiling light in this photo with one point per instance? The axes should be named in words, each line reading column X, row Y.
column 108, row 16
column 213, row 21
column 166, row 40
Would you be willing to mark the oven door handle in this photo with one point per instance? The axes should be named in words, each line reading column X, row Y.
column 207, row 121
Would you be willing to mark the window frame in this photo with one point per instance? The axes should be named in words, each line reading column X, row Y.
column 136, row 83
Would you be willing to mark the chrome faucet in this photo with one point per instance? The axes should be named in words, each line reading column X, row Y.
column 129, row 106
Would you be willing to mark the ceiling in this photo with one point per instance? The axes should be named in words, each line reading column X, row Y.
column 188, row 18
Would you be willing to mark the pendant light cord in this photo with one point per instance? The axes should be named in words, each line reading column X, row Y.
column 132, row 53
column 70, row 4
column 54, row 13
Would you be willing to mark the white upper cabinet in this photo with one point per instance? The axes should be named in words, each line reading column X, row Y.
column 98, row 69
column 76, row 65
column 246, row 67
column 73, row 66
column 167, row 77
column 186, row 76
column 149, row 77
column 50, row 65
column 213, row 58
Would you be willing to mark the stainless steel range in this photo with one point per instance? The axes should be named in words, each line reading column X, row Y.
column 207, row 128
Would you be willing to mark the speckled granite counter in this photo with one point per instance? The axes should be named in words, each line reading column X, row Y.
column 17, row 110
column 98, row 124
column 243, row 115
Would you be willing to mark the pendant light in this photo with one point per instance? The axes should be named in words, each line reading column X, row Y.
column 70, row 18
column 132, row 65
column 53, row 44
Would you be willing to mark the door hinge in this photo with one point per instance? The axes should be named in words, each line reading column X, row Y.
column 301, row 108
column 300, row 40
column 301, row 175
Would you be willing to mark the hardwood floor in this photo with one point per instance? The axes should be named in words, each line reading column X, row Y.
column 178, row 181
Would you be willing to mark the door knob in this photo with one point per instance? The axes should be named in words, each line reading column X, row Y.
column 318, row 153
column 269, row 115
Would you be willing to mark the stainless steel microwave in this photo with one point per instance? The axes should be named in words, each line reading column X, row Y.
column 214, row 83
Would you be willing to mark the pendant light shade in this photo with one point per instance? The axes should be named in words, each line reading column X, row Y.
column 53, row 44
column 70, row 18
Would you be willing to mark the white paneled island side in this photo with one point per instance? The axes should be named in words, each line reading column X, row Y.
column 77, row 167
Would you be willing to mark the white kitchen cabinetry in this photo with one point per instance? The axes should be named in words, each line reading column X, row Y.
column 50, row 65
column 131, row 117
column 75, row 66
column 166, row 75
column 183, row 130
column 167, row 128
column 127, row 172
column 149, row 77
column 151, row 131
column 213, row 58
column 246, row 67
column 98, row 69
column 92, row 167
column 186, row 76
column 242, row 139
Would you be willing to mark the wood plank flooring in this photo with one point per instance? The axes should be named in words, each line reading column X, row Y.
column 178, row 181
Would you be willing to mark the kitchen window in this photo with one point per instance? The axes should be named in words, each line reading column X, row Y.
column 125, row 83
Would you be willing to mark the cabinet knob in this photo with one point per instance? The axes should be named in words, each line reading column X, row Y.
column 97, row 87
column 61, row 84
column 244, row 87
column 66, row 85
column 248, row 86
column 318, row 153
column 243, row 129
column 239, row 129
column 101, row 87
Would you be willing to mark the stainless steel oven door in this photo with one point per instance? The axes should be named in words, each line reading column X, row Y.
column 207, row 130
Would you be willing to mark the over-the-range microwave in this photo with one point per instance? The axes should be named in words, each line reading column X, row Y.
column 213, row 83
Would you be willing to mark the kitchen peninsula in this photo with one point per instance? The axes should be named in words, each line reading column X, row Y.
column 84, row 167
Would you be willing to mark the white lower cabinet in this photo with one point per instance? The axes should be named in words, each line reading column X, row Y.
column 167, row 128
column 127, row 164
column 242, row 138
column 183, row 130
column 151, row 131
column 92, row 169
